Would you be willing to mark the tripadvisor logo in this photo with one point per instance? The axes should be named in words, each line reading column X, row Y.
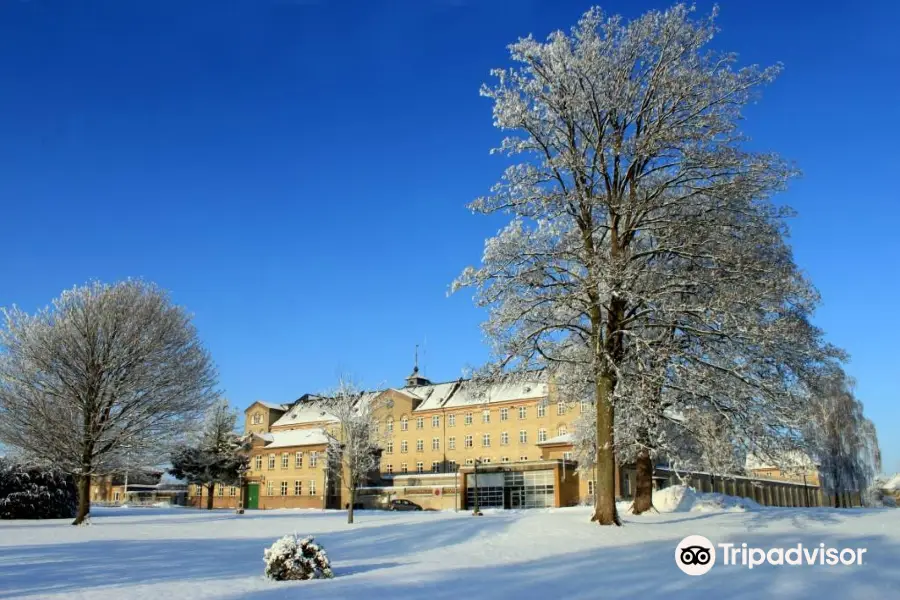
column 696, row 555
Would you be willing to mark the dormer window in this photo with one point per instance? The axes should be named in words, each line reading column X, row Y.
column 257, row 418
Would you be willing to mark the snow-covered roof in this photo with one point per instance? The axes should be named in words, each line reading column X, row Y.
column 310, row 410
column 792, row 459
column 565, row 438
column 467, row 393
column 892, row 484
column 297, row 437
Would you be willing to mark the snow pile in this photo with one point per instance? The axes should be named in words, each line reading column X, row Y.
column 293, row 558
column 892, row 484
column 680, row 498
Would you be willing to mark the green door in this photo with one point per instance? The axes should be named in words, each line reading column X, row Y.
column 252, row 495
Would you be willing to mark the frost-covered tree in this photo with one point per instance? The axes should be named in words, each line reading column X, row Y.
column 216, row 455
column 105, row 368
column 355, row 448
column 840, row 436
column 632, row 178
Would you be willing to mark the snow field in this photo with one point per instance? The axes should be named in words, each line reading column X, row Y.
column 554, row 553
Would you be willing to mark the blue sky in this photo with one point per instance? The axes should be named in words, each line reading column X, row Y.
column 296, row 172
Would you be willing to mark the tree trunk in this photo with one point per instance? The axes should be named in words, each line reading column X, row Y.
column 605, row 498
column 209, row 499
column 84, row 498
column 350, row 508
column 643, row 487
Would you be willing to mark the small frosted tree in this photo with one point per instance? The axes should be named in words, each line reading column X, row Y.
column 216, row 456
column 355, row 448
column 105, row 369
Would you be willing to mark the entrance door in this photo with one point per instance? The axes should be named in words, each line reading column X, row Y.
column 515, row 498
column 252, row 495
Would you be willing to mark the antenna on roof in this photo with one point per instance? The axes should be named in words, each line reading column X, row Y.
column 425, row 357
column 416, row 363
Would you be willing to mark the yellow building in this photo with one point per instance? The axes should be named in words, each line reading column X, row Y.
column 446, row 445
column 436, row 434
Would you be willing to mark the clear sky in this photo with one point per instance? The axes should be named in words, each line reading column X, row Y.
column 296, row 171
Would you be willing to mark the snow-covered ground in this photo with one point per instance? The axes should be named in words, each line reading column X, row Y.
column 183, row 553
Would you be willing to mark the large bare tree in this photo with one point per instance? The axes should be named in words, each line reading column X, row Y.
column 105, row 370
column 631, row 158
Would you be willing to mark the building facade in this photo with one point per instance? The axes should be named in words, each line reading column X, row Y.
column 446, row 445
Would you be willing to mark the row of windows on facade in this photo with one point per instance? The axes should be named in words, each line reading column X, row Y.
column 286, row 460
column 270, row 489
column 468, row 418
column 469, row 441
column 452, row 465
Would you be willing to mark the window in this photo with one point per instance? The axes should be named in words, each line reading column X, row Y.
column 389, row 468
column 313, row 459
column 504, row 438
column 258, row 462
column 285, row 460
column 312, row 487
column 420, row 422
column 523, row 458
column 567, row 456
column 542, row 435
column 403, row 447
column 271, row 461
column 390, row 447
column 435, row 467
column 404, row 423
column 435, row 443
column 560, row 408
column 420, row 445
column 590, row 488
column 220, row 491
column 270, row 488
column 232, row 491
column 467, row 418
column 486, row 440
column 451, row 443
column 435, row 421
column 486, row 461
column 284, row 488
column 504, row 459
column 468, row 441
column 469, row 461
column 390, row 425
column 298, row 488
column 452, row 466
column 403, row 468
column 542, row 408
column 298, row 459
column 585, row 405
column 420, row 467
column 562, row 430
column 522, row 412
column 485, row 416
column 257, row 418
column 523, row 437
column 504, row 414
column 451, row 421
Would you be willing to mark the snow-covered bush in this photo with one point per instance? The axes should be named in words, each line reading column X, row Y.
column 293, row 557
column 32, row 492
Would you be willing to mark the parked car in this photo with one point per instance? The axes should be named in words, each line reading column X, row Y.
column 403, row 505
